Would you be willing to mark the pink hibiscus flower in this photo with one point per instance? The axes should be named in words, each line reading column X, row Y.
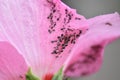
column 47, row 40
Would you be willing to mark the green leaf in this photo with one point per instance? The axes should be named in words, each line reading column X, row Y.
column 30, row 76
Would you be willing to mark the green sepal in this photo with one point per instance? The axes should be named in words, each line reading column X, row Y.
column 59, row 75
column 30, row 76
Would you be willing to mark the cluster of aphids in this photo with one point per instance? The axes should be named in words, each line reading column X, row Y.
column 68, row 35
column 62, row 41
column 56, row 15
column 53, row 17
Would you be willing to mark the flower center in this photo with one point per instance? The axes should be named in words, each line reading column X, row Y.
column 48, row 76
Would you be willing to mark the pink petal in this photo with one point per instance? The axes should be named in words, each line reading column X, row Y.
column 2, row 37
column 87, row 55
column 27, row 24
column 12, row 64
column 56, row 45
